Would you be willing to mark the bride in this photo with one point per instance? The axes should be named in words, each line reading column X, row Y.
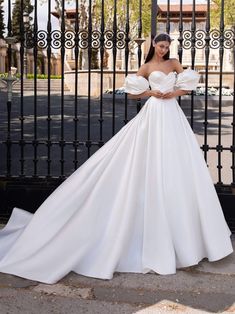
column 143, row 202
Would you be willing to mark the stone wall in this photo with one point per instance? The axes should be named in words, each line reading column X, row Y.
column 42, row 62
column 120, row 76
column 95, row 81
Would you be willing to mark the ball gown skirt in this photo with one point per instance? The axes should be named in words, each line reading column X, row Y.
column 143, row 202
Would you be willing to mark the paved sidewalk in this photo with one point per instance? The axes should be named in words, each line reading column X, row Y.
column 206, row 288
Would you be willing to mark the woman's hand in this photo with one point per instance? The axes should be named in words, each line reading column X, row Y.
column 174, row 94
column 169, row 95
column 159, row 94
column 156, row 93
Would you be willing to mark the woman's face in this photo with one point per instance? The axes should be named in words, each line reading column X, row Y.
column 161, row 48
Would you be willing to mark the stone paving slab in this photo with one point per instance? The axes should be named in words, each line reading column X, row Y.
column 186, row 292
column 167, row 307
column 225, row 266
column 24, row 301
column 9, row 281
column 65, row 291
column 95, row 298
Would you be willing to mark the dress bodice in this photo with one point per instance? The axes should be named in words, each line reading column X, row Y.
column 163, row 82
column 158, row 80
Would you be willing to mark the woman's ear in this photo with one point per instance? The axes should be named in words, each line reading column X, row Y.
column 153, row 43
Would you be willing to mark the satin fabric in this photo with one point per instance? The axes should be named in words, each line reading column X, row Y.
column 143, row 202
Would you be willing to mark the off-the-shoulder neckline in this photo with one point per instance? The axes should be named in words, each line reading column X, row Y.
column 166, row 74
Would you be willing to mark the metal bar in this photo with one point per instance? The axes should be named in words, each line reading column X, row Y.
column 49, row 89
column 76, row 52
column 193, row 30
column 56, row 143
column 21, row 118
column 140, row 33
column 154, row 11
column 88, row 144
column 205, row 146
column 180, row 39
column 62, row 51
column 138, row 104
column 102, row 39
column 35, row 54
column 82, row 143
column 9, row 53
column 127, row 40
column 233, row 123
column 9, row 34
column 221, row 56
column 114, row 62
column 193, row 54
column 168, row 25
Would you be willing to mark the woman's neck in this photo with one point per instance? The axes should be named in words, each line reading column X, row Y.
column 157, row 59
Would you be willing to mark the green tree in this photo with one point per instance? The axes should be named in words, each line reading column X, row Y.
column 96, row 12
column 17, row 16
column 2, row 25
column 229, row 13
column 109, row 12
column 121, row 15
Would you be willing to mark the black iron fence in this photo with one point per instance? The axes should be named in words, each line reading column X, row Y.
column 47, row 135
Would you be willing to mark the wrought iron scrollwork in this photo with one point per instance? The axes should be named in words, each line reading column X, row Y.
column 83, row 39
column 199, row 37
column 108, row 39
column 96, row 35
column 229, row 38
column 69, row 39
column 120, row 39
column 29, row 40
column 54, row 39
column 215, row 39
column 42, row 39
column 187, row 36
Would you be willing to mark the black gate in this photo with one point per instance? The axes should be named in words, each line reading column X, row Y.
column 67, row 99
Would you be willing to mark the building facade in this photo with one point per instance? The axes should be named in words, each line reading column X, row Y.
column 42, row 60
column 163, row 17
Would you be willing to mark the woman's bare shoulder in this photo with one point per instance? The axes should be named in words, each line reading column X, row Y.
column 143, row 70
column 176, row 65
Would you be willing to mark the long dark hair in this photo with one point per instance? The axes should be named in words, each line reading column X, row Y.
column 156, row 39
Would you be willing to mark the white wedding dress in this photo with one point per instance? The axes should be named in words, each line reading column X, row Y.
column 143, row 202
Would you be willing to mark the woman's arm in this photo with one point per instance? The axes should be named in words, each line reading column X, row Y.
column 148, row 93
column 143, row 71
column 180, row 92
column 144, row 94
column 176, row 93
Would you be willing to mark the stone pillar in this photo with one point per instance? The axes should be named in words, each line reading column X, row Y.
column 57, row 64
column 84, row 59
column 3, row 56
column 18, row 62
column 46, row 66
column 2, row 63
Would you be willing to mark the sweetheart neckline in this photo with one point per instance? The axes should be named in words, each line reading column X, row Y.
column 166, row 74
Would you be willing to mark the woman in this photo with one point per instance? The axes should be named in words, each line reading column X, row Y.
column 143, row 202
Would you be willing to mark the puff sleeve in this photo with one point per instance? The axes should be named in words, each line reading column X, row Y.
column 135, row 84
column 187, row 80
